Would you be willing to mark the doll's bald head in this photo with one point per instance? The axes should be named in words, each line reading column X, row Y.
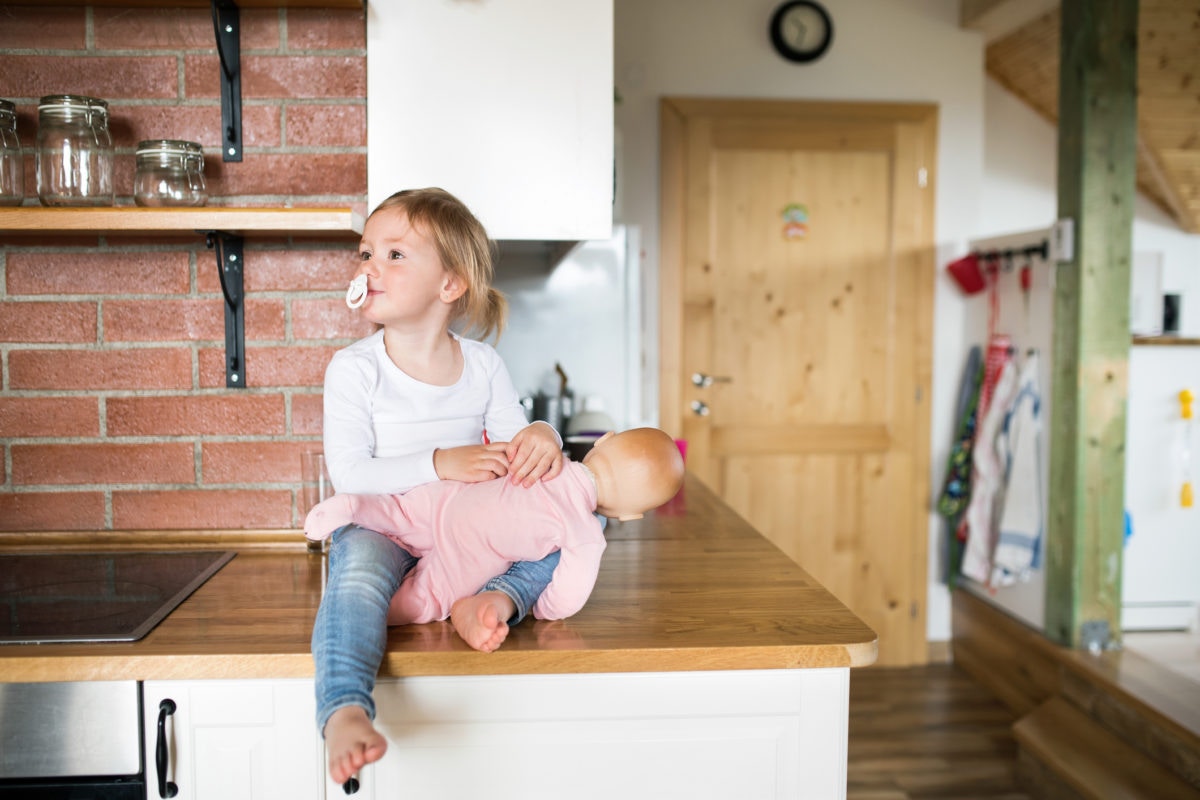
column 635, row 470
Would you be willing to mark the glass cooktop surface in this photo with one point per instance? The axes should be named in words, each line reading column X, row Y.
column 96, row 597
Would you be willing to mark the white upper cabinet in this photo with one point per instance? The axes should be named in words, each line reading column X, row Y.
column 508, row 104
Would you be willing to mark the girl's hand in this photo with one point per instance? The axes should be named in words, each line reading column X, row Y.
column 471, row 463
column 534, row 454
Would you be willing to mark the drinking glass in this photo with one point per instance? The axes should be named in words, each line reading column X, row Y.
column 315, row 486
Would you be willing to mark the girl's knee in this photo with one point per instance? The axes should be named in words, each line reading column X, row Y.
column 358, row 550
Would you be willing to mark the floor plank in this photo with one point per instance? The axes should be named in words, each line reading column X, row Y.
column 928, row 732
column 1178, row 651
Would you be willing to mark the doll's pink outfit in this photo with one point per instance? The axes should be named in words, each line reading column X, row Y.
column 465, row 533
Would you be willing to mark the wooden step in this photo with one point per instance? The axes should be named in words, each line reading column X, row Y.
column 1090, row 760
column 1142, row 703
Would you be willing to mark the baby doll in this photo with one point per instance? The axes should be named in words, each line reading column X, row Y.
column 464, row 533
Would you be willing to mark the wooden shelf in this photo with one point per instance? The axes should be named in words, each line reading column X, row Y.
column 240, row 221
column 1167, row 341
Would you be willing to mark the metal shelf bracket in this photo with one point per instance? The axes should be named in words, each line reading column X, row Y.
column 230, row 268
column 227, row 26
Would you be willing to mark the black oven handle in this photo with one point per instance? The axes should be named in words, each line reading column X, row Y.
column 165, row 787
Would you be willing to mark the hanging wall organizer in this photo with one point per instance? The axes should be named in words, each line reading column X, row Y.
column 1052, row 245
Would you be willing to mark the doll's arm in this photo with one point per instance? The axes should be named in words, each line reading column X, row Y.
column 574, row 579
column 389, row 514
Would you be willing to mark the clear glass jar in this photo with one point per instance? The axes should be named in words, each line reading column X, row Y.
column 12, row 166
column 169, row 172
column 195, row 171
column 74, row 151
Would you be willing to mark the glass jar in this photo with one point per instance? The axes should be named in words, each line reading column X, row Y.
column 169, row 172
column 74, row 152
column 195, row 171
column 12, row 166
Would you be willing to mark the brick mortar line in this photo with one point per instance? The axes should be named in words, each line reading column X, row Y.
column 269, row 294
column 167, row 438
column 62, row 488
column 122, row 394
column 181, row 52
column 209, row 102
column 208, row 344
column 304, row 245
column 305, row 149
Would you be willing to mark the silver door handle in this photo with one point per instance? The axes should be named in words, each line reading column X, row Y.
column 704, row 381
column 700, row 408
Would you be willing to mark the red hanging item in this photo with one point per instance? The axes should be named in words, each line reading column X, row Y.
column 999, row 353
column 967, row 272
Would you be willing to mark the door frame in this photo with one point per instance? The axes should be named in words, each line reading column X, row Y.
column 675, row 115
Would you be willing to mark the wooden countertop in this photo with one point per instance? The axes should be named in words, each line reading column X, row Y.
column 690, row 587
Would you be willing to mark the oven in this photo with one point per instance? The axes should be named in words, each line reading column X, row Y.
column 72, row 741
column 83, row 740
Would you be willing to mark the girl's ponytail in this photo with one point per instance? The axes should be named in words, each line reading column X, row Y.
column 492, row 315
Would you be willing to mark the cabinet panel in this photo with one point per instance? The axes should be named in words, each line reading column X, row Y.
column 237, row 740
column 508, row 105
column 1161, row 570
column 758, row 734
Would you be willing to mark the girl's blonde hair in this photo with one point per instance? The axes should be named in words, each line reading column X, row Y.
column 464, row 249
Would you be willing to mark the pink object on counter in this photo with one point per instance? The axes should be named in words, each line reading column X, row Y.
column 466, row 533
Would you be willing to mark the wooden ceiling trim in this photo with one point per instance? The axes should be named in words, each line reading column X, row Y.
column 996, row 19
column 1025, row 62
column 1154, row 181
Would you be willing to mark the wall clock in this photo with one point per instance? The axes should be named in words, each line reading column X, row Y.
column 801, row 30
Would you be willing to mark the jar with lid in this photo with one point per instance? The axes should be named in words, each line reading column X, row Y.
column 74, row 151
column 170, row 172
column 12, row 166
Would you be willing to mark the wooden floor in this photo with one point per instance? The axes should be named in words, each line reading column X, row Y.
column 1177, row 651
column 928, row 732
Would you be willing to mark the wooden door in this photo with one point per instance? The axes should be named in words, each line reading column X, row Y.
column 797, row 283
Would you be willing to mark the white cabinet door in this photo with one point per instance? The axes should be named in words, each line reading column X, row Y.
column 235, row 740
column 506, row 104
column 1161, row 572
column 750, row 735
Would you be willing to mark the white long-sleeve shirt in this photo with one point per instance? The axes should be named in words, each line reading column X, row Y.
column 382, row 426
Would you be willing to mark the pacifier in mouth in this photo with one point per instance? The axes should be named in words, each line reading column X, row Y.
column 356, row 295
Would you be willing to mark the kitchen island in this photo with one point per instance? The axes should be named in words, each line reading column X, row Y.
column 701, row 644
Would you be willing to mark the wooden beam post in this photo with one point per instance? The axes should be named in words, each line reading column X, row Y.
column 1097, row 140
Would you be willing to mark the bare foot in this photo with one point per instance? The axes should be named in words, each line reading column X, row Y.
column 352, row 742
column 481, row 619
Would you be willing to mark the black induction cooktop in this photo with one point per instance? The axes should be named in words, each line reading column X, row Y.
column 96, row 597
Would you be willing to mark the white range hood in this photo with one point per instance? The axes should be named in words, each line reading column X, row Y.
column 508, row 104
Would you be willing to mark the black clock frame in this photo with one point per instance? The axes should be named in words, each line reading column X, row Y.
column 781, row 44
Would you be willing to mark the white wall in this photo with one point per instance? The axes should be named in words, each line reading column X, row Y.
column 883, row 50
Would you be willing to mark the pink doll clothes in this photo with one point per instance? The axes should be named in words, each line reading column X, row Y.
column 463, row 534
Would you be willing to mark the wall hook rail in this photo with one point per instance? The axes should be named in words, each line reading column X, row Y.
column 227, row 26
column 230, row 269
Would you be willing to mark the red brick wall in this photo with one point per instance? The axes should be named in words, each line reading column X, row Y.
column 113, row 407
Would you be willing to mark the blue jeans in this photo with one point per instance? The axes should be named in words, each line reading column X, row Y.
column 350, row 633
